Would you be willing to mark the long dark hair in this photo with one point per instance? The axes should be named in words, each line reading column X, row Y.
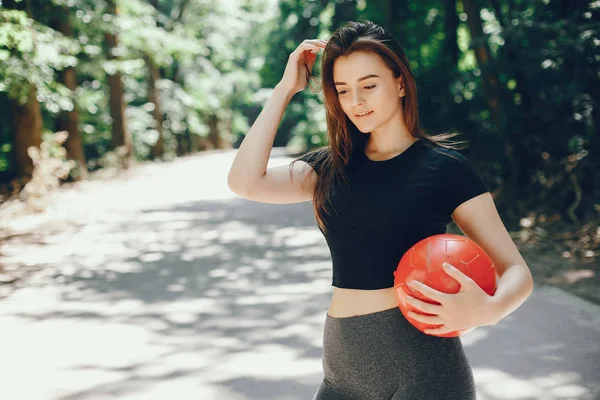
column 343, row 136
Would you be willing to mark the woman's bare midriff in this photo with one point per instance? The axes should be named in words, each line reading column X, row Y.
column 352, row 302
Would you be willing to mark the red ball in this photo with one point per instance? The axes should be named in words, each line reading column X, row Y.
column 423, row 262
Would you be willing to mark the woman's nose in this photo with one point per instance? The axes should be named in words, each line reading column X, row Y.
column 357, row 99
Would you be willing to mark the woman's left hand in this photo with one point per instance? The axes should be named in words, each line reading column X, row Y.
column 466, row 310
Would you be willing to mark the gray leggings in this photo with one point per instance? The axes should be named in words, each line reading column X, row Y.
column 381, row 356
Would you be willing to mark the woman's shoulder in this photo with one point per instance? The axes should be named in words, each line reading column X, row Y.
column 456, row 167
column 317, row 154
column 316, row 157
column 443, row 155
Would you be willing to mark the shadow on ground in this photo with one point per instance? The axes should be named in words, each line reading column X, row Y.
column 226, row 299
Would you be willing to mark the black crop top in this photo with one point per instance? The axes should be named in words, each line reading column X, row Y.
column 388, row 206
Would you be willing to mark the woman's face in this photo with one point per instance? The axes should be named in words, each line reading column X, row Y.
column 364, row 83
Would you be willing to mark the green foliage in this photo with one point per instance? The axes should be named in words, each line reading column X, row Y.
column 219, row 60
column 140, row 35
column 31, row 52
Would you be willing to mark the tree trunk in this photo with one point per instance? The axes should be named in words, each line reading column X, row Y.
column 482, row 53
column 514, row 62
column 389, row 20
column 194, row 141
column 68, row 120
column 27, row 122
column 120, row 135
column 494, row 99
column 491, row 90
column 451, row 29
column 227, row 127
column 213, row 133
column 345, row 10
column 27, row 118
column 180, row 145
column 158, row 148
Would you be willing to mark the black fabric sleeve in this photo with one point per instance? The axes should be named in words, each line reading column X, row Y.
column 315, row 159
column 460, row 181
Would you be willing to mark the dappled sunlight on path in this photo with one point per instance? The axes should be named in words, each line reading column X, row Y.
column 163, row 284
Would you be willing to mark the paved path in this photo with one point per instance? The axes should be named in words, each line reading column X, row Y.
column 162, row 284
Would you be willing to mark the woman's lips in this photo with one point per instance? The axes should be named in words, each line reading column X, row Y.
column 365, row 116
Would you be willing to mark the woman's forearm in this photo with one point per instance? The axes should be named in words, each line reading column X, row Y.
column 514, row 287
column 250, row 162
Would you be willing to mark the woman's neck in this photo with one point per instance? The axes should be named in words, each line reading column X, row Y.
column 392, row 137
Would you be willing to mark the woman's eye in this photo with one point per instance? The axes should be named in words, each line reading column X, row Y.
column 366, row 87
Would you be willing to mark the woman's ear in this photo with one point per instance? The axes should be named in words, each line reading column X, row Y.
column 400, row 86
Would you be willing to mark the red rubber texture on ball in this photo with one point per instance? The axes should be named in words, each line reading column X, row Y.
column 423, row 262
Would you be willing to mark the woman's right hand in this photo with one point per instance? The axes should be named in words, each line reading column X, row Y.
column 299, row 63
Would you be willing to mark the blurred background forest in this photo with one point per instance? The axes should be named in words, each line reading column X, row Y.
column 135, row 81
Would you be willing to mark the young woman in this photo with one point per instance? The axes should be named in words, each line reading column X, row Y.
column 379, row 186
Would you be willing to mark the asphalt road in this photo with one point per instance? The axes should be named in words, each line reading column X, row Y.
column 162, row 284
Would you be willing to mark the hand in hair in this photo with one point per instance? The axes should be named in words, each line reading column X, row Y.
column 300, row 64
